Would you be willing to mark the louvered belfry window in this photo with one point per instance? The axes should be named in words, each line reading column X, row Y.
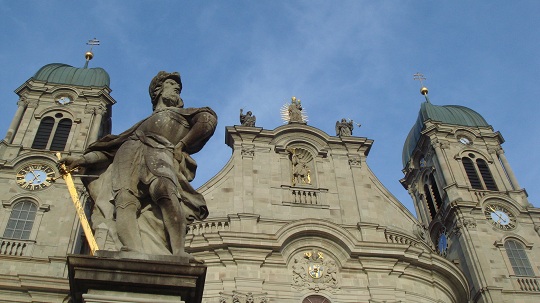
column 435, row 191
column 61, row 135
column 43, row 133
column 474, row 179
column 479, row 174
column 486, row 175
column 48, row 126
column 429, row 200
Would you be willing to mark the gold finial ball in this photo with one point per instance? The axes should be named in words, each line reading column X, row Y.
column 89, row 55
column 424, row 90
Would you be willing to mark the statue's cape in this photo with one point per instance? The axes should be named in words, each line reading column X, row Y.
column 100, row 188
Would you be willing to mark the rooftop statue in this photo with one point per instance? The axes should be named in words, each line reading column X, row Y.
column 143, row 195
column 295, row 111
column 248, row 119
column 344, row 128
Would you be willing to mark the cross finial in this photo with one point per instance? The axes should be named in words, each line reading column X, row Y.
column 92, row 42
column 89, row 54
column 420, row 77
column 423, row 90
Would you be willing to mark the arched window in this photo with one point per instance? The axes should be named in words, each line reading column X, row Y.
column 479, row 174
column 486, row 174
column 518, row 258
column 60, row 128
column 316, row 299
column 21, row 221
column 474, row 179
column 61, row 135
column 43, row 133
column 429, row 200
column 435, row 191
column 433, row 197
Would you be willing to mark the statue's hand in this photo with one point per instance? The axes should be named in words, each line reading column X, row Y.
column 179, row 151
column 72, row 162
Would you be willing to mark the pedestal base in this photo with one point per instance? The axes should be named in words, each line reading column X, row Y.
column 111, row 279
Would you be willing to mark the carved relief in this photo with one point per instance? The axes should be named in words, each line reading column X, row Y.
column 421, row 232
column 32, row 103
column 468, row 223
column 355, row 162
column 22, row 102
column 314, row 271
column 89, row 110
column 248, row 152
column 239, row 297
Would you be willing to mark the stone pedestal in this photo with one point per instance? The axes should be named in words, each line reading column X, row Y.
column 113, row 277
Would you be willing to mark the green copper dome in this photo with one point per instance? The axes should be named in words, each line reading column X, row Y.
column 65, row 74
column 449, row 114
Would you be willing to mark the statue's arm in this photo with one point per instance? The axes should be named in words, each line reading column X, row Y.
column 203, row 125
column 88, row 159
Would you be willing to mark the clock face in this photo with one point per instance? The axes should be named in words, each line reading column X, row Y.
column 64, row 100
column 442, row 246
column 464, row 140
column 35, row 176
column 500, row 216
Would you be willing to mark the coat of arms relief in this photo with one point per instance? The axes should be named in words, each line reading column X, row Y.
column 314, row 271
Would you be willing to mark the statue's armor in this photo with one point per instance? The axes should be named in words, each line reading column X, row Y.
column 149, row 154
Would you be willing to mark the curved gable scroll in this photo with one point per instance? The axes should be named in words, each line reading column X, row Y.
column 306, row 136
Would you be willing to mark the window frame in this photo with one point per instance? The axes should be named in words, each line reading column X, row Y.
column 520, row 248
column 504, row 254
column 470, row 166
column 20, row 218
column 5, row 215
column 53, row 134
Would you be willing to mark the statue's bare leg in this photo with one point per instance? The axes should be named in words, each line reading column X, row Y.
column 127, row 207
column 164, row 195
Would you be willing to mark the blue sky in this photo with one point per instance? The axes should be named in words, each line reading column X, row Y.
column 352, row 59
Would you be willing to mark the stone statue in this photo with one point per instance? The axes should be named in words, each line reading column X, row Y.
column 295, row 111
column 344, row 128
column 143, row 195
column 301, row 174
column 248, row 119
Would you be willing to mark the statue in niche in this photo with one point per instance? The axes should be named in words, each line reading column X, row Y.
column 301, row 173
column 143, row 195
column 344, row 128
column 248, row 119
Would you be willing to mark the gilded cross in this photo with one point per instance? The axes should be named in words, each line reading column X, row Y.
column 92, row 42
column 420, row 77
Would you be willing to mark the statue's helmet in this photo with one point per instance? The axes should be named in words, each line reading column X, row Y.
column 155, row 85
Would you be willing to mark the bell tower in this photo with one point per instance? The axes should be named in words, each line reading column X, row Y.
column 60, row 109
column 468, row 198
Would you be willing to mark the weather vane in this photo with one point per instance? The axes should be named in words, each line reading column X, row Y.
column 423, row 90
column 89, row 55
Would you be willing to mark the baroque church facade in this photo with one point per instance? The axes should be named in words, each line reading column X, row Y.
column 296, row 215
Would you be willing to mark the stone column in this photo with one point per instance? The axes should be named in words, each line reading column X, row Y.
column 438, row 146
column 508, row 169
column 22, row 103
column 98, row 113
